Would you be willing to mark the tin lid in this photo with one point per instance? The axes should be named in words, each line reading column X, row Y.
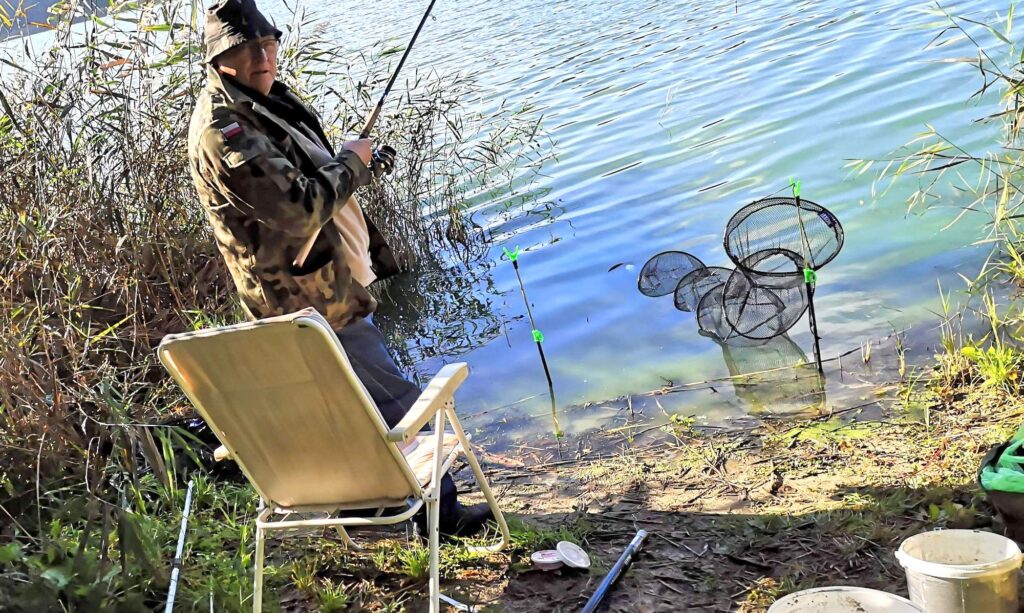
column 573, row 555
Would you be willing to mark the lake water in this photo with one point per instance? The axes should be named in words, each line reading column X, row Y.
column 668, row 117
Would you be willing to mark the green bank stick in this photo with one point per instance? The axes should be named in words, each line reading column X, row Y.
column 538, row 338
column 810, row 277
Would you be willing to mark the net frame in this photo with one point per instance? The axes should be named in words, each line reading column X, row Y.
column 711, row 316
column 696, row 284
column 778, row 293
column 660, row 275
column 816, row 232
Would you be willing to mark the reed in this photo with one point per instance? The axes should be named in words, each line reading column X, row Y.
column 107, row 250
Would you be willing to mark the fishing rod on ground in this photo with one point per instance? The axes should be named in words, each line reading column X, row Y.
column 371, row 119
column 624, row 561
column 176, row 572
column 538, row 338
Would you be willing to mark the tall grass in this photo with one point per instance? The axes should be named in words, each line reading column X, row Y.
column 107, row 250
column 983, row 188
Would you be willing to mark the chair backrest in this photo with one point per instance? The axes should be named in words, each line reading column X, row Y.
column 281, row 395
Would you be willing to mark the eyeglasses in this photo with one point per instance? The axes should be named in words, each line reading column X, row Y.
column 254, row 47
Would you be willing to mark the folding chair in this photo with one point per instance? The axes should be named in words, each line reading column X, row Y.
column 281, row 396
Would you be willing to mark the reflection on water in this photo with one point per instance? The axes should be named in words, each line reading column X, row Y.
column 668, row 119
column 773, row 376
column 442, row 310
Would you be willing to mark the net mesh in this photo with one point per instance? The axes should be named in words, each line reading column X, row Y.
column 711, row 316
column 773, row 242
column 797, row 225
column 662, row 273
column 760, row 305
column 773, row 375
column 695, row 285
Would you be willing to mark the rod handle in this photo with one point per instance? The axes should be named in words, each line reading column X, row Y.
column 371, row 120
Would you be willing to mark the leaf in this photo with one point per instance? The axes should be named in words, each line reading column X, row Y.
column 110, row 329
column 956, row 60
column 118, row 62
column 12, row 64
column 57, row 576
column 11, row 552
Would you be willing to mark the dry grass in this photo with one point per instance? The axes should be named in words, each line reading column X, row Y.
column 109, row 250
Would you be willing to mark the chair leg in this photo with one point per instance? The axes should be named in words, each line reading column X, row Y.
column 485, row 488
column 499, row 517
column 433, row 507
column 257, row 593
column 345, row 538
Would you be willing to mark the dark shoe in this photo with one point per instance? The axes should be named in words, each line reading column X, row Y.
column 466, row 521
column 459, row 521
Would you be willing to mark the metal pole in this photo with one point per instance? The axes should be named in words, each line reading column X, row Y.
column 181, row 546
column 810, row 277
column 813, row 320
column 623, row 562
column 538, row 338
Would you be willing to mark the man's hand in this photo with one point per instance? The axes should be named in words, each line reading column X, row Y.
column 362, row 147
column 383, row 161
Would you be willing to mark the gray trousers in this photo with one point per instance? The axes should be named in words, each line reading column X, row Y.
column 373, row 364
column 391, row 391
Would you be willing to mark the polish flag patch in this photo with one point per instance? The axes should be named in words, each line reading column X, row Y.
column 231, row 131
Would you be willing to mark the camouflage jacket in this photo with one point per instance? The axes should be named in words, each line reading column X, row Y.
column 265, row 198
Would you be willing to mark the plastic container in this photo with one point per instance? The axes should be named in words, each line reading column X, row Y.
column 565, row 554
column 962, row 571
column 844, row 600
column 573, row 555
column 547, row 559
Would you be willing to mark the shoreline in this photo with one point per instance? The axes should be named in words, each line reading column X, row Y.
column 736, row 518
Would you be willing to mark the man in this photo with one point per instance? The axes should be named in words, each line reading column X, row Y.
column 270, row 181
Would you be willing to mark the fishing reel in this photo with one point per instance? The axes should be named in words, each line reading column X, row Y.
column 383, row 161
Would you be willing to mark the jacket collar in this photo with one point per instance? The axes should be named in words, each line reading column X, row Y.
column 217, row 83
column 235, row 95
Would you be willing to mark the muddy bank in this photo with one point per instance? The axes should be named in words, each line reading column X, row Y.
column 738, row 519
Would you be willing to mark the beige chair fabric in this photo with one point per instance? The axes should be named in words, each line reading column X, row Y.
column 282, row 398
column 291, row 412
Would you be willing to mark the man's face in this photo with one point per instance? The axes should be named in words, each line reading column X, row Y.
column 253, row 64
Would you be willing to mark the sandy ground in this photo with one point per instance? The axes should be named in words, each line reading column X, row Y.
column 737, row 518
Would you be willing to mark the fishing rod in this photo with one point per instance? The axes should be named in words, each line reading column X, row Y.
column 371, row 119
column 375, row 113
column 181, row 548
column 538, row 338
column 613, row 575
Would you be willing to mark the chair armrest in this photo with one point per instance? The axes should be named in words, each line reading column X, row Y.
column 440, row 390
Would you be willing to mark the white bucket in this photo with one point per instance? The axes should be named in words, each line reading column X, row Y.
column 962, row 571
column 844, row 600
